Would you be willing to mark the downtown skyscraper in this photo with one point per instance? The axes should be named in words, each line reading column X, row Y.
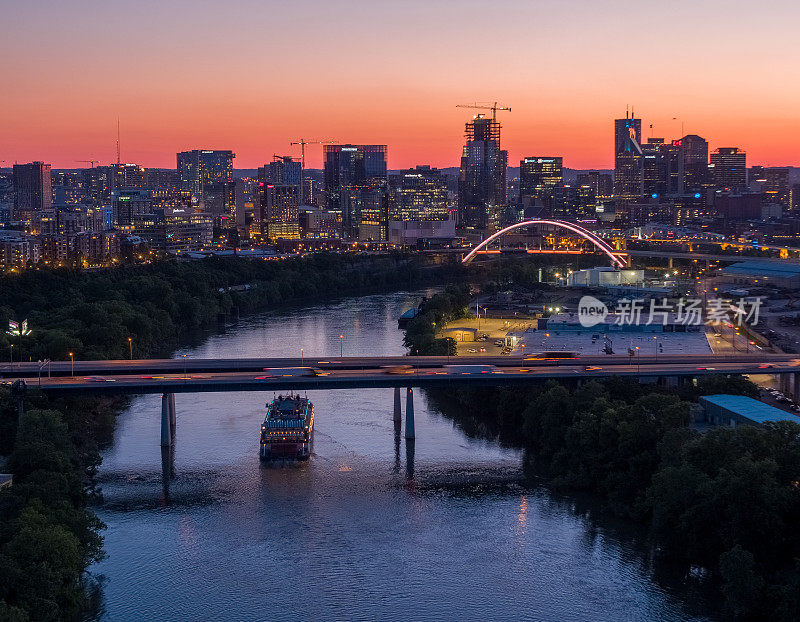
column 278, row 194
column 482, row 176
column 729, row 168
column 208, row 174
column 32, row 189
column 356, row 189
column 628, row 162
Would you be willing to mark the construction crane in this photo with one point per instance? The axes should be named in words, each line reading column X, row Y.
column 92, row 162
column 494, row 108
column 303, row 142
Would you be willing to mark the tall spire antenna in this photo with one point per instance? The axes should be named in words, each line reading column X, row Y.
column 118, row 158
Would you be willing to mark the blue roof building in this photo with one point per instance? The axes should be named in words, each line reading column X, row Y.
column 733, row 410
column 779, row 273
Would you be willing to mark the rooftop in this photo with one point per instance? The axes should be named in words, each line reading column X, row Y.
column 750, row 408
column 591, row 342
column 764, row 268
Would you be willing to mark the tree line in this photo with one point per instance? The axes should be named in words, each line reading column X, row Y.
column 727, row 499
column 434, row 312
column 48, row 533
column 92, row 314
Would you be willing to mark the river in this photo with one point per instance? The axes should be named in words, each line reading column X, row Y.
column 363, row 530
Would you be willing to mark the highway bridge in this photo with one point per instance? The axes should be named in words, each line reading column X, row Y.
column 282, row 379
column 195, row 365
column 184, row 375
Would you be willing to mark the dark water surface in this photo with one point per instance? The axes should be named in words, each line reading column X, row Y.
column 366, row 529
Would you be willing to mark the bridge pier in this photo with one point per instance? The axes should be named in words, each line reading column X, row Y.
column 410, row 450
column 790, row 385
column 166, row 423
column 784, row 384
column 397, row 415
column 172, row 418
column 410, row 414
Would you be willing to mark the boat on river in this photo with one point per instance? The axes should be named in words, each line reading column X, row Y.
column 288, row 429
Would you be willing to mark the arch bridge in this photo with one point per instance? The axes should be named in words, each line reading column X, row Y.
column 599, row 243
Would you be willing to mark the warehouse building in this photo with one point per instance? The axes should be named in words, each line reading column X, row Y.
column 780, row 274
column 733, row 410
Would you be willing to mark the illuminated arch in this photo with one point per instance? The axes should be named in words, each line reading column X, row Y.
column 584, row 233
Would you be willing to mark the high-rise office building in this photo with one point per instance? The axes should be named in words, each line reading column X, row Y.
column 482, row 176
column 674, row 170
column 729, row 168
column 662, row 168
column 209, row 175
column 539, row 176
column 654, row 174
column 68, row 187
column 695, row 161
column 278, row 197
column 164, row 179
column 356, row 189
column 126, row 176
column 279, row 211
column 97, row 184
column 418, row 194
column 246, row 204
column 129, row 203
column 628, row 162
column 601, row 183
column 773, row 184
column 283, row 170
column 32, row 189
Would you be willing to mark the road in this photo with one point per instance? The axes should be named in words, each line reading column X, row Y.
column 379, row 377
column 191, row 366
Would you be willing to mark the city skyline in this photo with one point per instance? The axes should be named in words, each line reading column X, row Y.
column 186, row 79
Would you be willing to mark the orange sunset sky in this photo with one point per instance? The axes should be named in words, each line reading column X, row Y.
column 253, row 75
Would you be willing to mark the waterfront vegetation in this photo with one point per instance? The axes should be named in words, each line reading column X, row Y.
column 434, row 312
column 92, row 314
column 726, row 500
column 48, row 533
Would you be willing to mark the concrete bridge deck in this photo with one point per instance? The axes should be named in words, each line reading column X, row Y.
column 441, row 376
column 193, row 365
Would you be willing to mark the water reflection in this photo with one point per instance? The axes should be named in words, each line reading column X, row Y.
column 410, row 444
column 354, row 533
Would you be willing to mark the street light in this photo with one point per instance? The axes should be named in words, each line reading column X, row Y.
column 341, row 346
column 130, row 346
column 72, row 364
column 301, row 357
column 11, row 354
column 184, row 366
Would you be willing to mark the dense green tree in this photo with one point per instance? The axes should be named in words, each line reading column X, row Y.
column 742, row 585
